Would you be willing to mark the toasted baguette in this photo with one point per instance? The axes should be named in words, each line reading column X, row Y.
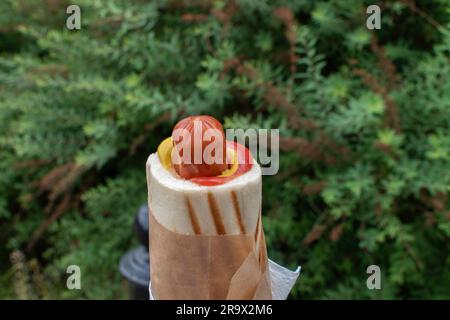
column 187, row 208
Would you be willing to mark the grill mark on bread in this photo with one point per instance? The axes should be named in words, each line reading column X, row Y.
column 261, row 258
column 215, row 213
column 257, row 227
column 237, row 211
column 193, row 217
column 257, row 238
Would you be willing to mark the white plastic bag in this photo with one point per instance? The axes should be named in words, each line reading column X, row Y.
column 282, row 281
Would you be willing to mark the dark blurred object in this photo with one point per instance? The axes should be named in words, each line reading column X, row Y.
column 134, row 264
column 141, row 225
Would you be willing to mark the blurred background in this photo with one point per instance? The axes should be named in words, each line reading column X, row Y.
column 364, row 119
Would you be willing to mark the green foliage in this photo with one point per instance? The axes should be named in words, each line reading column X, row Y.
column 364, row 118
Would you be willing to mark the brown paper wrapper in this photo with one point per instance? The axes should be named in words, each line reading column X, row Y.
column 192, row 267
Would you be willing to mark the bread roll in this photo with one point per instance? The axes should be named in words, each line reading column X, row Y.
column 187, row 208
